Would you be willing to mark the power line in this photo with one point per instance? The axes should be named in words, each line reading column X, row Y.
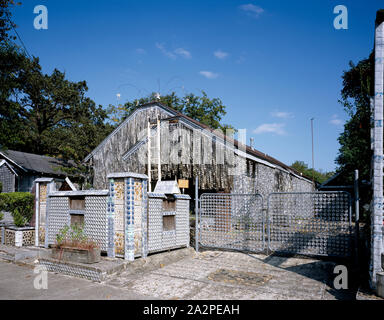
column 17, row 34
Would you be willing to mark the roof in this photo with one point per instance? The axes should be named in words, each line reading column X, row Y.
column 35, row 163
column 176, row 114
column 3, row 162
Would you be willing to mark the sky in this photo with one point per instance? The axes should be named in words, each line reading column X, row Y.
column 274, row 64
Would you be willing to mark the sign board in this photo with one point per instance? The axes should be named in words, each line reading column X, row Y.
column 183, row 184
column 167, row 187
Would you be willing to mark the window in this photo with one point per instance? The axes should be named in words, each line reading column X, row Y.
column 169, row 204
column 76, row 210
column 77, row 203
column 77, row 219
column 169, row 223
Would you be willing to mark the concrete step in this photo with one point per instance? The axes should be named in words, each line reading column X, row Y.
column 15, row 254
column 6, row 256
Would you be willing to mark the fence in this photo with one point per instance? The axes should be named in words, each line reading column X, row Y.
column 309, row 223
column 232, row 221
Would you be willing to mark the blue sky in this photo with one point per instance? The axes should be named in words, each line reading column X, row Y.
column 274, row 64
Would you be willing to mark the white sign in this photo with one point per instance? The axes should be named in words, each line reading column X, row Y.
column 167, row 187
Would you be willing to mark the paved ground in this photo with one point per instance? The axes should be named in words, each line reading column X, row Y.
column 207, row 275
column 232, row 275
column 16, row 283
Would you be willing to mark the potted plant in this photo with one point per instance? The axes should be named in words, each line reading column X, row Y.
column 73, row 245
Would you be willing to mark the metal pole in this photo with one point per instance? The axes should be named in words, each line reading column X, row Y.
column 197, row 214
column 149, row 157
column 357, row 214
column 158, row 150
column 37, row 213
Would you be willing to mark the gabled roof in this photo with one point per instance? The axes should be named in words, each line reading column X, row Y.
column 249, row 152
column 34, row 163
column 5, row 163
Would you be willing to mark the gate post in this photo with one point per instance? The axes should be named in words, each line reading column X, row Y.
column 197, row 214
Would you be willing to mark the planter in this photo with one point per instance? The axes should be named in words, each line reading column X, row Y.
column 77, row 254
column 18, row 236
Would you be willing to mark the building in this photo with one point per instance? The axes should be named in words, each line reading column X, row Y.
column 18, row 169
column 184, row 148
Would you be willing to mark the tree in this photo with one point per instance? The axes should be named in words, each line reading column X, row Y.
column 319, row 176
column 355, row 144
column 46, row 114
column 201, row 108
column 6, row 24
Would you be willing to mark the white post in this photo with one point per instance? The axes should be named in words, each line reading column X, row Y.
column 158, row 151
column 149, row 156
column 37, row 213
column 377, row 208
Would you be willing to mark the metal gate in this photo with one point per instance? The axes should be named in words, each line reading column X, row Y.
column 232, row 221
column 309, row 223
column 313, row 223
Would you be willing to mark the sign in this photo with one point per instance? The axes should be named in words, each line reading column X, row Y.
column 167, row 187
column 183, row 184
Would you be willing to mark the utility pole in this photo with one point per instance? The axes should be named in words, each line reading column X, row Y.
column 313, row 154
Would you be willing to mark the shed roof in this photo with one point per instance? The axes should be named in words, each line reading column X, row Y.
column 35, row 163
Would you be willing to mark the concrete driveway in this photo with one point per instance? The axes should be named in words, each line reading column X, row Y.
column 207, row 275
column 234, row 276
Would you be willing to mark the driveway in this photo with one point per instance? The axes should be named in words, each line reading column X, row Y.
column 233, row 276
column 207, row 275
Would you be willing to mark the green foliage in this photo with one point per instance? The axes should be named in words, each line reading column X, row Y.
column 46, row 113
column 77, row 232
column 355, row 141
column 355, row 144
column 319, row 176
column 20, row 204
column 1, row 216
column 201, row 108
column 6, row 24
column 74, row 237
column 18, row 219
column 62, row 235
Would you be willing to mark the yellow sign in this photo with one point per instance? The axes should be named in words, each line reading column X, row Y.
column 183, row 184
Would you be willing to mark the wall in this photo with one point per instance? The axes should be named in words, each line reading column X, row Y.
column 7, row 178
column 267, row 180
column 158, row 239
column 95, row 218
